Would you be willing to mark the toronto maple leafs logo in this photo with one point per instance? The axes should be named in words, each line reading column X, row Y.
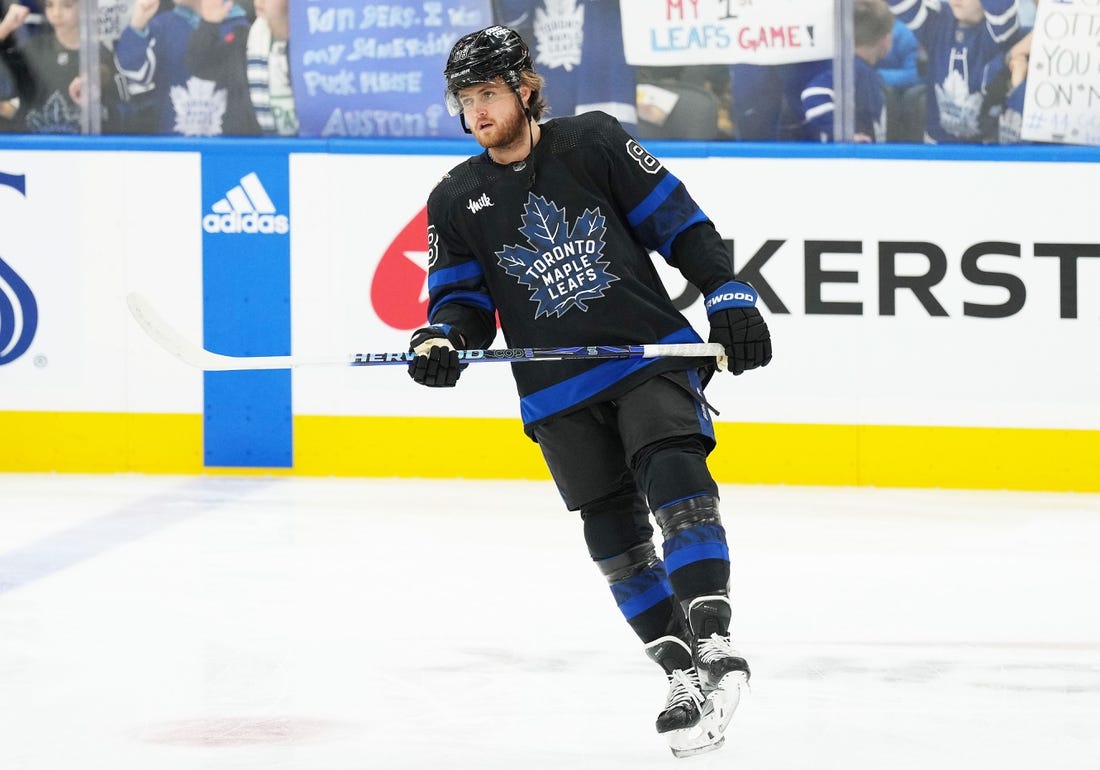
column 57, row 116
column 559, row 34
column 564, row 267
column 959, row 108
column 199, row 107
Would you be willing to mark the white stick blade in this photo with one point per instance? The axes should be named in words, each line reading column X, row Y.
column 184, row 349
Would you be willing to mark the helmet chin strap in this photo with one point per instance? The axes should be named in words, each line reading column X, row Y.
column 529, row 160
column 519, row 165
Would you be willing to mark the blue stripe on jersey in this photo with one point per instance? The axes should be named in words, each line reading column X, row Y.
column 637, row 594
column 474, row 298
column 665, row 213
column 440, row 279
column 574, row 390
column 665, row 249
column 652, row 202
column 706, row 541
column 706, row 425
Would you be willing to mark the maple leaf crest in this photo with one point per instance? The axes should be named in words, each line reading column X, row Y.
column 200, row 107
column 565, row 267
column 959, row 108
column 57, row 116
column 559, row 34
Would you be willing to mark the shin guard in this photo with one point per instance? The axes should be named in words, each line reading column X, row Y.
column 696, row 554
column 642, row 591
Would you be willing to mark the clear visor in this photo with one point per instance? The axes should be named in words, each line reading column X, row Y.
column 474, row 78
column 453, row 106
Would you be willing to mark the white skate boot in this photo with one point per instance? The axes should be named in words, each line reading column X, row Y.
column 685, row 721
column 722, row 670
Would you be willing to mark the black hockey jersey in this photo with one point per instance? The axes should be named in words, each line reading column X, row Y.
column 559, row 246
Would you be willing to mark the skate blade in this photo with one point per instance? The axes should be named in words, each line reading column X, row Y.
column 697, row 739
column 680, row 753
column 722, row 702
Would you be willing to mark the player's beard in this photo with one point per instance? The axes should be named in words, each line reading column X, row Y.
column 506, row 133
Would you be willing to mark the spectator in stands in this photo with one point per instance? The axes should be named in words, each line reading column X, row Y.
column 30, row 16
column 46, row 68
column 1005, row 86
column 756, row 96
column 684, row 102
column 8, row 93
column 961, row 39
column 1027, row 12
column 902, row 71
column 578, row 48
column 13, row 18
column 872, row 28
column 269, row 69
column 190, row 62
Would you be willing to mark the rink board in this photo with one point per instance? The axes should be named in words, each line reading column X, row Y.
column 935, row 312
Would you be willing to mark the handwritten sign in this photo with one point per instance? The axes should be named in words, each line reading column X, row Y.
column 1062, row 97
column 112, row 16
column 686, row 32
column 363, row 69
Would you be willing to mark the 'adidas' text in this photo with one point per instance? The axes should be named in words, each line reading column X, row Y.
column 236, row 222
column 246, row 208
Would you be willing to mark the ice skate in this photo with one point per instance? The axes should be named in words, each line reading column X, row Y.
column 686, row 721
column 722, row 670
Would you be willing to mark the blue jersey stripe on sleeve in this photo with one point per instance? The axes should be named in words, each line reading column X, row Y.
column 466, row 271
column 653, row 201
column 462, row 297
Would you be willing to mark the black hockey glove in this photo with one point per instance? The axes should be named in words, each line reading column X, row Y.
column 738, row 326
column 436, row 364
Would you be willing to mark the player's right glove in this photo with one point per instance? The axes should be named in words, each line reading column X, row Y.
column 737, row 325
column 436, row 364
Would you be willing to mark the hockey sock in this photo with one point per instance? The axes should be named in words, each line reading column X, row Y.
column 696, row 555
column 684, row 498
column 619, row 536
column 642, row 591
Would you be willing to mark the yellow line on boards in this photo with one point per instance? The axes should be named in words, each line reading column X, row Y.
column 495, row 448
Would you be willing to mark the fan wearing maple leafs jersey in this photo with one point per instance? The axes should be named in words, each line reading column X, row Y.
column 551, row 228
column 578, row 46
column 201, row 92
column 961, row 38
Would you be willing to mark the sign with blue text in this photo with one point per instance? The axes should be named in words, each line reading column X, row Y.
column 686, row 32
column 363, row 69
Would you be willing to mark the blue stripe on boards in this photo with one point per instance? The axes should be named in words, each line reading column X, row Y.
column 460, row 148
column 247, row 421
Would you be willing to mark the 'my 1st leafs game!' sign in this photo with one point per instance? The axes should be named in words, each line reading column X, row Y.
column 686, row 32
column 363, row 69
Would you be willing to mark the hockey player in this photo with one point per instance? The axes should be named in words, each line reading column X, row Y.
column 551, row 227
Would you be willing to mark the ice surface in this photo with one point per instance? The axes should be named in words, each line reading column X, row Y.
column 164, row 623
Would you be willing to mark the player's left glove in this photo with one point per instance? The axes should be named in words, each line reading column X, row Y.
column 737, row 325
column 436, row 364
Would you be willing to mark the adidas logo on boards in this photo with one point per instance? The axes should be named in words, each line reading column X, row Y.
column 246, row 208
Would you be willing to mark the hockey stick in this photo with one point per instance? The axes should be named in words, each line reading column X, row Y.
column 200, row 358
